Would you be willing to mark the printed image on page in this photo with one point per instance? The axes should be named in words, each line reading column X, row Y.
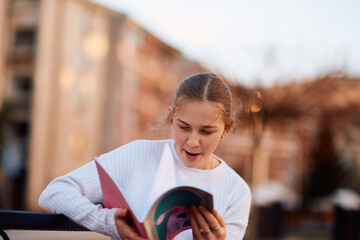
column 171, row 214
column 172, row 222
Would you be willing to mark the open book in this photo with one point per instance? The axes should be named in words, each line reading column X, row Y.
column 167, row 211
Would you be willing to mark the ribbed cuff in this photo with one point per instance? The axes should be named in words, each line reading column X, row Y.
column 111, row 224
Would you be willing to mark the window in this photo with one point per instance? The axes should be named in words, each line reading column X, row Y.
column 25, row 38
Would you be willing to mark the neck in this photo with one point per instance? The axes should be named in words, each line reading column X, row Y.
column 213, row 163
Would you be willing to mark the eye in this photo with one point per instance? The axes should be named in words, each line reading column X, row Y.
column 184, row 128
column 206, row 132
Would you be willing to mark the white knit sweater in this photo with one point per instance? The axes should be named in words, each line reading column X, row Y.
column 133, row 166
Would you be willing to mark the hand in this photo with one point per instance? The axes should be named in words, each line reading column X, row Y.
column 122, row 224
column 207, row 225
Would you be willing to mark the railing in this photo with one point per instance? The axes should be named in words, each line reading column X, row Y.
column 22, row 220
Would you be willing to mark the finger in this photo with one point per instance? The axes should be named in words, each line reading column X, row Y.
column 220, row 219
column 215, row 221
column 128, row 232
column 209, row 217
column 220, row 229
column 201, row 221
column 195, row 227
column 122, row 224
column 134, row 236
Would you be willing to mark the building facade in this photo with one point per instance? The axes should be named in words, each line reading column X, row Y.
column 18, row 29
column 90, row 80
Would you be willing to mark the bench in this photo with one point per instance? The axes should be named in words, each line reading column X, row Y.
column 23, row 220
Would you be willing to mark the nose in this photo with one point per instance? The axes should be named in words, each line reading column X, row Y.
column 193, row 140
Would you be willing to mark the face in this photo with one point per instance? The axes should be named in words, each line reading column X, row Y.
column 197, row 127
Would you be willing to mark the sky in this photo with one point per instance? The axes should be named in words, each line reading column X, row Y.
column 256, row 42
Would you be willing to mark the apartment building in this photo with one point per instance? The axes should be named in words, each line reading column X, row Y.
column 77, row 80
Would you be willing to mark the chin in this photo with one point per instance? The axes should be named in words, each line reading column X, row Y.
column 188, row 162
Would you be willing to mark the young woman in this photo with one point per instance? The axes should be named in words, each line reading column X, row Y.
column 199, row 117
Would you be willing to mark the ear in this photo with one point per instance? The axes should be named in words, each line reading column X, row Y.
column 170, row 108
column 226, row 131
column 228, row 128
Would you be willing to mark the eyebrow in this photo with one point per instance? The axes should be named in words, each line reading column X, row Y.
column 206, row 126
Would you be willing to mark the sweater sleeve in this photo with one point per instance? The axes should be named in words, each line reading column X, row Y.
column 237, row 214
column 75, row 195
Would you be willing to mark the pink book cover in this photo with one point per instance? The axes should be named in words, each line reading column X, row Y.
column 113, row 198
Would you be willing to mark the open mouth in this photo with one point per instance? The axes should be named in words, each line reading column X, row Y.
column 192, row 156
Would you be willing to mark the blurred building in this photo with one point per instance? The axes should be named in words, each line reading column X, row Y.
column 77, row 80
column 18, row 31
